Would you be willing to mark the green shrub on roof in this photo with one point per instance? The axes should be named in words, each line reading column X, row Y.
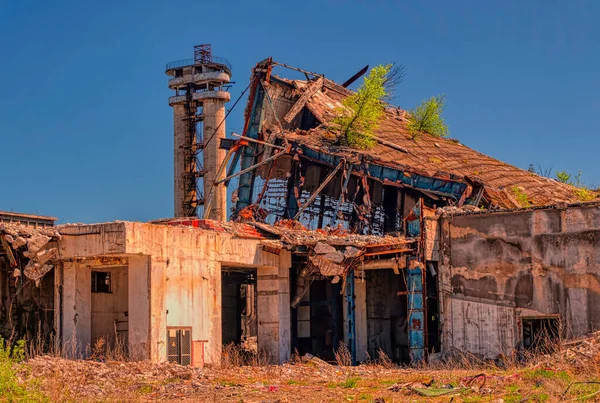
column 427, row 118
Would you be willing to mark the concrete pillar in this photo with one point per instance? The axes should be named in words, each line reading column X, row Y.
column 213, row 290
column 214, row 115
column 76, row 304
column 139, row 307
column 274, row 338
column 360, row 312
column 158, row 312
column 180, row 142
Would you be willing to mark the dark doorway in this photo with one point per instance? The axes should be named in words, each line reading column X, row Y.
column 238, row 307
column 387, row 319
column 318, row 320
column 540, row 334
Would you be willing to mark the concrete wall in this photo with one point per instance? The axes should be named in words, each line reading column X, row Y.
column 496, row 268
column 274, row 331
column 175, row 280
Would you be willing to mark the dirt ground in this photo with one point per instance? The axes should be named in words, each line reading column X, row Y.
column 548, row 380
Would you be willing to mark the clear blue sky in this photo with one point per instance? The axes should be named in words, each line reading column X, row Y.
column 86, row 130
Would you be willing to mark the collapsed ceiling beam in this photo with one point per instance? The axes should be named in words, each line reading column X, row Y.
column 296, row 69
column 264, row 143
column 253, row 167
column 383, row 264
column 309, row 92
column 319, row 189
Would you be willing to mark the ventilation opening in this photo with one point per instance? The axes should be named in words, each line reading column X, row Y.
column 179, row 348
column 540, row 333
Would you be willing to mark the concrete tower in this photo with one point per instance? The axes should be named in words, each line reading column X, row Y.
column 199, row 125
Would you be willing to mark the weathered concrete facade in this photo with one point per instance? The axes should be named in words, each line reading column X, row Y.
column 173, row 281
column 498, row 269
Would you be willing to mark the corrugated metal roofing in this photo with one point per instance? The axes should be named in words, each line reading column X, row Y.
column 429, row 155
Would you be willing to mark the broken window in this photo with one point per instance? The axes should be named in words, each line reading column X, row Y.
column 179, row 345
column 101, row 282
column 540, row 333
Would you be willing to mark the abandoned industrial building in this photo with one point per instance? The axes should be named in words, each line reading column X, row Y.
column 412, row 247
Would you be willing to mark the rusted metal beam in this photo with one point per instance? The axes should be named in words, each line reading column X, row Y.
column 319, row 189
column 383, row 264
column 356, row 76
column 385, row 252
column 297, row 69
column 309, row 92
column 257, row 141
column 253, row 167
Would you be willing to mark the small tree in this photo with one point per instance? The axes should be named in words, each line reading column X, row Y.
column 427, row 117
column 563, row 177
column 359, row 117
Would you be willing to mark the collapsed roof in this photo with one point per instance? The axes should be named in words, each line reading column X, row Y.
column 298, row 111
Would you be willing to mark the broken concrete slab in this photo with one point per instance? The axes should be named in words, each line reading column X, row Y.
column 37, row 242
column 322, row 248
column 35, row 271
column 18, row 242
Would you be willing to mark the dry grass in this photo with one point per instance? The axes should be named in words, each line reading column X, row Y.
column 566, row 372
column 67, row 380
column 235, row 355
column 343, row 357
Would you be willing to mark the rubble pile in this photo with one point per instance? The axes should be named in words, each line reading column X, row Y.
column 98, row 380
column 448, row 211
column 576, row 353
column 309, row 377
column 28, row 244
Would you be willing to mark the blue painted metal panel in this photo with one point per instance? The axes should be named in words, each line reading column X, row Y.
column 443, row 187
column 416, row 299
column 416, row 311
column 413, row 222
column 351, row 315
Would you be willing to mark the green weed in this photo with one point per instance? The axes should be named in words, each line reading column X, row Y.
column 350, row 383
column 10, row 389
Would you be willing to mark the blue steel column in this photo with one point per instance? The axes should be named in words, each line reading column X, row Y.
column 416, row 314
column 351, row 314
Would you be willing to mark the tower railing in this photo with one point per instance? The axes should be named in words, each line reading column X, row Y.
column 190, row 62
